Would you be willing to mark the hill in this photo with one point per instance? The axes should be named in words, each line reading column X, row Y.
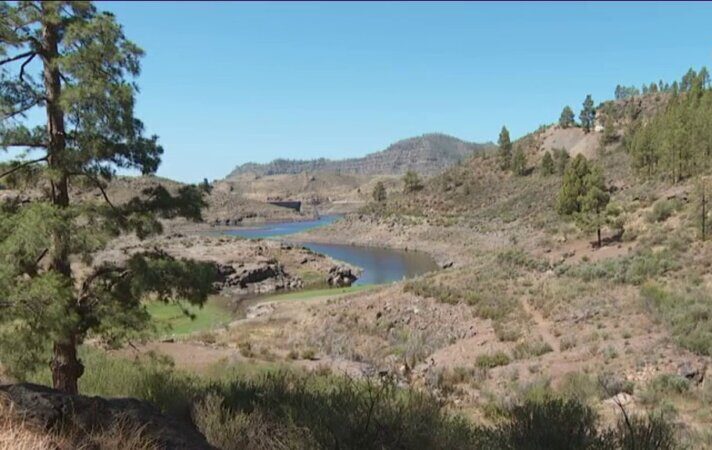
column 427, row 154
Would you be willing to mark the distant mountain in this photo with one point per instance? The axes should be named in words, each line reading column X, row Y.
column 427, row 154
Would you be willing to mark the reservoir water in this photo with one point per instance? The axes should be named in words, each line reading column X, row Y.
column 380, row 265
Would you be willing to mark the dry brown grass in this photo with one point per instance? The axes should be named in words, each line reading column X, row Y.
column 17, row 433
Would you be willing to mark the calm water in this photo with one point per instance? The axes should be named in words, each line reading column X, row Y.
column 269, row 230
column 380, row 265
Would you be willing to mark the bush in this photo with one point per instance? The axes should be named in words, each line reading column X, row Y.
column 652, row 432
column 489, row 361
column 556, row 424
column 552, row 424
column 663, row 209
column 530, row 349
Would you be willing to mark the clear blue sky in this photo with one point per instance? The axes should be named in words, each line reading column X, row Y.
column 228, row 83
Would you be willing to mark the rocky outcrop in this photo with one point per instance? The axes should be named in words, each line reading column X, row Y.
column 48, row 409
column 341, row 276
column 260, row 277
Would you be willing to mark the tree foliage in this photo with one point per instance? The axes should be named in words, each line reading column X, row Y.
column 677, row 143
column 519, row 161
column 379, row 192
column 75, row 63
column 547, row 164
column 587, row 116
column 626, row 92
column 567, row 119
column 609, row 135
column 411, row 182
column 584, row 195
column 505, row 149
column 561, row 160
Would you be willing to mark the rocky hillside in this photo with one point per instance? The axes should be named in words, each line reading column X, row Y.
column 427, row 154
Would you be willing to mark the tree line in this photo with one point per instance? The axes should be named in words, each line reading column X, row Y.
column 677, row 142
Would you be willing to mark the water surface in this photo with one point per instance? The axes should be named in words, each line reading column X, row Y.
column 380, row 265
column 269, row 230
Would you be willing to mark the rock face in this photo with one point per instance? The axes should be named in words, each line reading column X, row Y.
column 427, row 154
column 46, row 408
column 341, row 276
column 258, row 277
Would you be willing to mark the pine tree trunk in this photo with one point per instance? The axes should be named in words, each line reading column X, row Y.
column 598, row 232
column 66, row 368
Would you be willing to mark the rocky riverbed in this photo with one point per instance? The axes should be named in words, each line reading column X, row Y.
column 245, row 267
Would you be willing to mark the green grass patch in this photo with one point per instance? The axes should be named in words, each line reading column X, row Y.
column 171, row 319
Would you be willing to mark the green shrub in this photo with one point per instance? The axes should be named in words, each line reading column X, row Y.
column 651, row 432
column 579, row 386
column 530, row 349
column 663, row 209
column 552, row 424
column 489, row 361
column 558, row 424
column 308, row 353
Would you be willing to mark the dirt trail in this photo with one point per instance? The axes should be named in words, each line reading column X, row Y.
column 543, row 327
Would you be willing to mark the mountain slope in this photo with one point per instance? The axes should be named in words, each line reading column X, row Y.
column 427, row 154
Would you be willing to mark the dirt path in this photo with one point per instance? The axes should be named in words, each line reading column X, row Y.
column 542, row 325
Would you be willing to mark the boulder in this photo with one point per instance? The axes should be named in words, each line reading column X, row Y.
column 694, row 372
column 46, row 408
column 341, row 276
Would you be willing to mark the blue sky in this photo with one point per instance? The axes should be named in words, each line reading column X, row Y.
column 228, row 83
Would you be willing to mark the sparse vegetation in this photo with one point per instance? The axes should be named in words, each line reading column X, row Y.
column 686, row 312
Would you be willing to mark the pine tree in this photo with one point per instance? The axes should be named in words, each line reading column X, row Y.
column 609, row 132
column 584, row 195
column 74, row 62
column 561, row 160
column 505, row 149
column 205, row 186
column 547, row 164
column 411, row 182
column 519, row 161
column 379, row 192
column 567, row 118
column 572, row 186
column 702, row 206
column 588, row 114
column 593, row 201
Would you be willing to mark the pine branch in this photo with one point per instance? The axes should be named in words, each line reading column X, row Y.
column 17, row 57
column 22, row 67
column 100, row 186
column 22, row 166
column 21, row 110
